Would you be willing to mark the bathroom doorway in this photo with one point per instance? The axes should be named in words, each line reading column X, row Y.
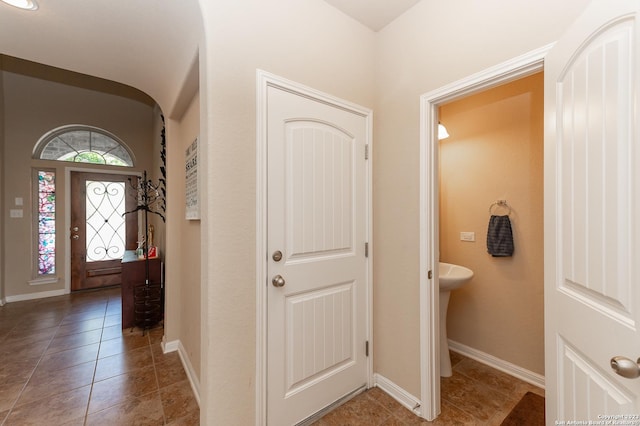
column 524, row 67
column 589, row 137
column 491, row 170
column 492, row 165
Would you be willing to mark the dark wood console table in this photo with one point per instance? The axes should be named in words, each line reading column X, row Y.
column 133, row 275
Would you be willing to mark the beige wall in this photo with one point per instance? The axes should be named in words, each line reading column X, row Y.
column 310, row 42
column 307, row 41
column 184, row 239
column 34, row 106
column 2, row 180
column 496, row 152
column 433, row 44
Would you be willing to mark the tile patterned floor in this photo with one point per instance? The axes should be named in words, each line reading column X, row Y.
column 66, row 361
column 474, row 395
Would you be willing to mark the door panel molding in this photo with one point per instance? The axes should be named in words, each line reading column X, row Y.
column 338, row 354
column 264, row 81
column 586, row 387
column 306, row 154
column 603, row 66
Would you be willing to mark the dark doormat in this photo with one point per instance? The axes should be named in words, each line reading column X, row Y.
column 529, row 411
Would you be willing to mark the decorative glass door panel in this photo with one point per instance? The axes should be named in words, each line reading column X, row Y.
column 105, row 222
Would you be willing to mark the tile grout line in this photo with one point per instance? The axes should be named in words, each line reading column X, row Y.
column 10, row 411
column 95, row 367
column 155, row 372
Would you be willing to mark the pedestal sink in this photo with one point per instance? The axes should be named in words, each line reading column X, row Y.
column 450, row 278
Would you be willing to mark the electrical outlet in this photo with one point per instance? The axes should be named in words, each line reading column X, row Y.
column 15, row 213
column 467, row 236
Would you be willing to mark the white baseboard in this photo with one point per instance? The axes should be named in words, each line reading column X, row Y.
column 33, row 296
column 396, row 392
column 171, row 346
column 176, row 345
column 499, row 364
column 2, row 302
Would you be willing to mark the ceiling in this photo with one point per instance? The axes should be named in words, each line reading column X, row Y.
column 375, row 14
column 147, row 44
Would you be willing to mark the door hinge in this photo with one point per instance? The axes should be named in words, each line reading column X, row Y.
column 366, row 152
column 429, row 274
column 366, row 249
column 366, row 348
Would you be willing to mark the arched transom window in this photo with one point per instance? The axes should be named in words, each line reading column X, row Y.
column 83, row 144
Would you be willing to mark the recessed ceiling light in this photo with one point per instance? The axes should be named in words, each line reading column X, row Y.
column 23, row 4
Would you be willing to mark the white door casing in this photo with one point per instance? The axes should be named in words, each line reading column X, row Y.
column 317, row 215
column 514, row 69
column 592, row 215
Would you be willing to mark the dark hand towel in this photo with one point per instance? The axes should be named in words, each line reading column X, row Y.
column 500, row 237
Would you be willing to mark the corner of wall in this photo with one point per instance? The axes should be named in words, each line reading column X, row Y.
column 176, row 345
column 2, row 157
column 183, row 238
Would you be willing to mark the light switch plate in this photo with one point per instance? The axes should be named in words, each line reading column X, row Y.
column 467, row 236
column 19, row 201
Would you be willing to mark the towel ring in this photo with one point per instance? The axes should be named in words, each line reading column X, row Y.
column 500, row 203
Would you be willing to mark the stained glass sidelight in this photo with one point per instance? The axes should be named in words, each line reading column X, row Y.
column 46, row 222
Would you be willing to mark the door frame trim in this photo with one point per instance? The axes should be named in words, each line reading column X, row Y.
column 264, row 80
column 514, row 69
column 67, row 212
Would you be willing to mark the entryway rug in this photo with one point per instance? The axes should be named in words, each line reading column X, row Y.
column 529, row 411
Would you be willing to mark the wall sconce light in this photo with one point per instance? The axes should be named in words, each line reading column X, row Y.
column 442, row 132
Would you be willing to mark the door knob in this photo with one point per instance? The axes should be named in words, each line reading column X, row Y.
column 626, row 367
column 75, row 236
column 277, row 281
column 75, row 229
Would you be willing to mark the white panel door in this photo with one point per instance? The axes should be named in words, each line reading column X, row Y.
column 592, row 216
column 317, row 220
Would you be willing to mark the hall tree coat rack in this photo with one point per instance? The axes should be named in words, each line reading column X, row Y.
column 143, row 290
column 147, row 295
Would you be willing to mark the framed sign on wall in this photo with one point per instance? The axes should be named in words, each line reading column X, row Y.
column 192, row 203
